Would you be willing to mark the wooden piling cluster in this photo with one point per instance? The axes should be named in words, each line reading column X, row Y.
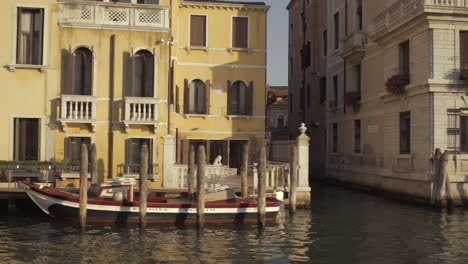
column 261, row 199
column 83, row 185
column 441, row 191
column 191, row 172
column 143, row 199
column 201, row 187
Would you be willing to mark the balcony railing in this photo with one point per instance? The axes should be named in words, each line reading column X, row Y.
column 109, row 15
column 404, row 10
column 132, row 170
column 141, row 111
column 354, row 46
column 78, row 109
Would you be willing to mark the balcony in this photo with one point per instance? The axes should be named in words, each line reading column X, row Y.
column 78, row 109
column 354, row 47
column 110, row 15
column 141, row 111
column 404, row 11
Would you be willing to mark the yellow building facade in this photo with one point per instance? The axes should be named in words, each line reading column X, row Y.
column 124, row 73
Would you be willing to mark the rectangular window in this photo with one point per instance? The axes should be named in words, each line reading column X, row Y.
column 149, row 2
column 335, row 90
column 464, row 55
column 357, row 136
column 290, row 102
column 73, row 148
column 359, row 79
column 291, row 32
column 405, row 133
column 404, row 58
column 26, row 139
column 309, row 91
column 464, row 134
column 197, row 31
column 240, row 31
column 335, row 137
column 337, row 30
column 323, row 89
column 359, row 14
column 307, row 55
column 133, row 154
column 325, row 43
column 302, row 100
column 30, row 36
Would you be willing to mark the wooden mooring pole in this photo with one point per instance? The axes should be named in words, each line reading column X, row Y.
column 201, row 187
column 244, row 170
column 435, row 183
column 448, row 191
column 93, row 164
column 191, row 172
column 261, row 199
column 83, row 185
column 143, row 199
column 293, row 181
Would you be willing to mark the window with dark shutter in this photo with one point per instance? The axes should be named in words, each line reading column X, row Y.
column 335, row 90
column 133, row 155
column 337, row 30
column 323, row 89
column 29, row 39
column 325, row 42
column 404, row 58
column 464, row 55
column 358, row 80
column 335, row 137
column 197, row 31
column 143, row 74
column 73, row 148
column 240, row 31
column 82, row 72
column 405, row 133
column 357, row 136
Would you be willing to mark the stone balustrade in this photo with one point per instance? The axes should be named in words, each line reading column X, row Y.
column 110, row 15
column 404, row 10
column 141, row 111
column 78, row 109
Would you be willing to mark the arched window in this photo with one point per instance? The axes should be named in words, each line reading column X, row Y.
column 143, row 74
column 82, row 74
column 280, row 121
column 237, row 98
column 196, row 91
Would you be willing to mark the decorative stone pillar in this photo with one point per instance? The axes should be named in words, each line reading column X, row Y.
column 303, row 189
column 170, row 180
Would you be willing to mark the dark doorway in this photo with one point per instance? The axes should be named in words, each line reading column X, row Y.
column 235, row 153
column 26, row 139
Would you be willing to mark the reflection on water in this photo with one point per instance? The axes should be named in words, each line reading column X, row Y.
column 342, row 227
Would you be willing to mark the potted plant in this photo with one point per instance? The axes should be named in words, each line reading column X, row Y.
column 396, row 84
column 353, row 98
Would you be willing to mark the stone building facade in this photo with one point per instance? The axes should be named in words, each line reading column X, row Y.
column 277, row 112
column 396, row 91
column 307, row 73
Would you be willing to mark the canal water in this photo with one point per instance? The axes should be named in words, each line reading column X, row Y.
column 342, row 226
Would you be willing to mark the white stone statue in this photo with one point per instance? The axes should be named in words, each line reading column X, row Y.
column 217, row 160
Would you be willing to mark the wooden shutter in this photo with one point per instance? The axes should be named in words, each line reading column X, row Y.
column 207, row 97
column 186, row 97
column 132, row 74
column 67, row 153
column 71, row 71
column 464, row 54
column 249, row 98
column 228, row 91
column 197, row 31
column 240, row 32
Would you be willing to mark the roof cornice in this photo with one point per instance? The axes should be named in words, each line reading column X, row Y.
column 224, row 5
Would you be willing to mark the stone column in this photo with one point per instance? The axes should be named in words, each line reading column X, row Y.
column 170, row 180
column 303, row 189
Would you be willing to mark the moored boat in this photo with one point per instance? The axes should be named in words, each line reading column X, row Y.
column 115, row 203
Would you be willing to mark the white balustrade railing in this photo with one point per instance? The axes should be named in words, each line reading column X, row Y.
column 78, row 108
column 141, row 110
column 96, row 14
column 405, row 9
column 213, row 173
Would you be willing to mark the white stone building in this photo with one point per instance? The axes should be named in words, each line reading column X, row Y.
column 383, row 139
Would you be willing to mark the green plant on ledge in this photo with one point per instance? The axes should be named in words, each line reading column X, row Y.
column 352, row 98
column 396, row 84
